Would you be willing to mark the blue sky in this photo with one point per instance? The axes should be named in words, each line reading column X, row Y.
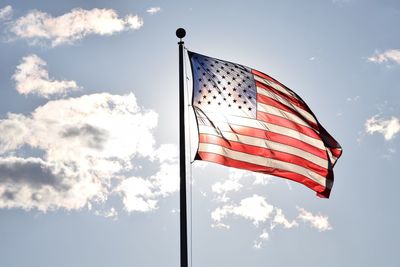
column 89, row 133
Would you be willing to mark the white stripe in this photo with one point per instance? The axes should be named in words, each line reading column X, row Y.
column 262, row 161
column 282, row 100
column 284, row 114
column 264, row 143
column 274, row 85
column 222, row 122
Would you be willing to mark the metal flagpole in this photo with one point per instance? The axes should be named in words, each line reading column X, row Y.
column 180, row 33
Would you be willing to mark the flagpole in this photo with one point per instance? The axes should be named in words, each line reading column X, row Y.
column 180, row 33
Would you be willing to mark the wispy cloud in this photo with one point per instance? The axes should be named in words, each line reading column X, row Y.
column 87, row 148
column 389, row 128
column 111, row 213
column 264, row 236
column 6, row 13
column 153, row 10
column 353, row 99
column 255, row 209
column 39, row 27
column 280, row 219
column 318, row 222
column 142, row 194
column 32, row 77
column 387, row 56
column 389, row 154
column 232, row 184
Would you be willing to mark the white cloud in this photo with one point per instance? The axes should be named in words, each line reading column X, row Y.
column 264, row 236
column 389, row 55
column 111, row 213
column 6, row 13
column 38, row 27
column 200, row 164
column 261, row 213
column 84, row 149
column 223, row 189
column 261, row 179
column 280, row 219
column 153, row 10
column 318, row 222
column 167, row 153
column 137, row 194
column 219, row 214
column 254, row 208
column 134, row 22
column 140, row 194
column 389, row 128
column 35, row 183
column 232, row 184
column 32, row 77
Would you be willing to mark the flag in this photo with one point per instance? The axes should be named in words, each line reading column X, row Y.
column 248, row 120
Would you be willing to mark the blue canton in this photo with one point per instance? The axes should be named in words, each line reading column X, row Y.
column 223, row 87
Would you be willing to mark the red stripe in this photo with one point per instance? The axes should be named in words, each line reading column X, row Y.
column 269, row 118
column 263, row 152
column 336, row 152
column 279, row 138
column 272, row 102
column 269, row 78
column 289, row 98
column 328, row 140
column 321, row 190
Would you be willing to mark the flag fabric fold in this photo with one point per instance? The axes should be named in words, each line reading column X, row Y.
column 248, row 120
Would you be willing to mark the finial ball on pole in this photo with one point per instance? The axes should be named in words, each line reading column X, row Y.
column 180, row 33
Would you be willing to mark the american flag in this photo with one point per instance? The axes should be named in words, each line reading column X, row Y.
column 248, row 120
